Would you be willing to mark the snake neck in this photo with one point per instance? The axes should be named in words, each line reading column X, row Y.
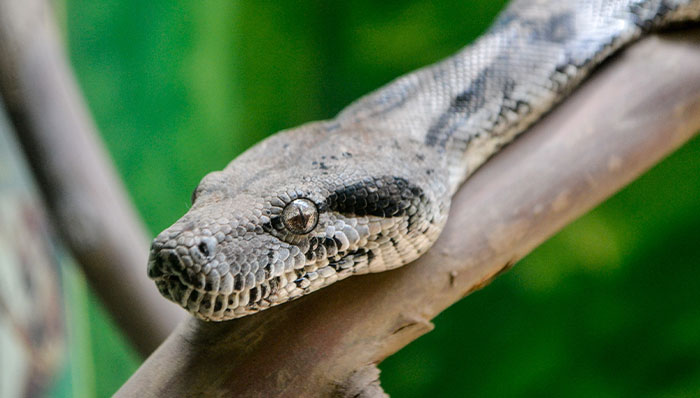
column 466, row 107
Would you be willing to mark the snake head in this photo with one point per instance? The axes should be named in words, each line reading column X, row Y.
column 252, row 240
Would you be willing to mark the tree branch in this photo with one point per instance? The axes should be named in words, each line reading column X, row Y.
column 88, row 202
column 638, row 108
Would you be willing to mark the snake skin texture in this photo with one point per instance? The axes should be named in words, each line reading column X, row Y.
column 369, row 190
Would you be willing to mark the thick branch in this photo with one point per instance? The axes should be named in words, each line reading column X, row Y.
column 87, row 200
column 637, row 109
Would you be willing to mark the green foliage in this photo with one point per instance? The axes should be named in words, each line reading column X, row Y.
column 608, row 307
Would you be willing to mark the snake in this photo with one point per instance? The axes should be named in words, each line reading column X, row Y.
column 370, row 189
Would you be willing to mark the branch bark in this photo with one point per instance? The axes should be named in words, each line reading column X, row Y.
column 635, row 110
column 88, row 202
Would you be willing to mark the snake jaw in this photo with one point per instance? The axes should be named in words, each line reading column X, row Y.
column 223, row 276
column 224, row 286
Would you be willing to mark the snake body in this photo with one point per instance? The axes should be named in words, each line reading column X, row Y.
column 370, row 190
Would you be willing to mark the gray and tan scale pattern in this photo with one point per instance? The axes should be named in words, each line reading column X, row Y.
column 370, row 190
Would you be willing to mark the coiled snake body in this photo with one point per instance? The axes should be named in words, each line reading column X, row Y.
column 369, row 190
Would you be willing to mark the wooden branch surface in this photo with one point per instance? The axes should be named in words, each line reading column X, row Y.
column 88, row 201
column 634, row 111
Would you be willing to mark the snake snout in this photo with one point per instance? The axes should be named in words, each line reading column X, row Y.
column 187, row 269
column 181, row 264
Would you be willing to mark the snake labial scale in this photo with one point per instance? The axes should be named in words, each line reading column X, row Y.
column 370, row 190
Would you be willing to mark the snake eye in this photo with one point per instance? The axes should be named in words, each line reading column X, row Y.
column 300, row 216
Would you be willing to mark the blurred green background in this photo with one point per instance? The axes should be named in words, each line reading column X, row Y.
column 607, row 308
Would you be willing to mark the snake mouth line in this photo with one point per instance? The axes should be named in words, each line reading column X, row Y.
column 204, row 299
column 206, row 305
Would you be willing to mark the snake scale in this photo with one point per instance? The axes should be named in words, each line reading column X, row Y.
column 370, row 190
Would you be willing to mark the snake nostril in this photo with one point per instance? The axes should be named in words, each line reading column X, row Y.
column 207, row 246
column 203, row 249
